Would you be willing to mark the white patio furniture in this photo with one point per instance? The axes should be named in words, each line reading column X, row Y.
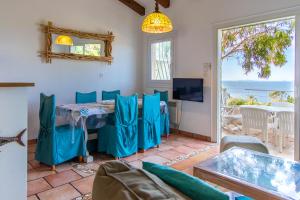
column 285, row 127
column 231, row 119
column 282, row 104
column 247, row 142
column 281, row 120
column 255, row 118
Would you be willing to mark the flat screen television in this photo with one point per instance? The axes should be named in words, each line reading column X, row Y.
column 188, row 89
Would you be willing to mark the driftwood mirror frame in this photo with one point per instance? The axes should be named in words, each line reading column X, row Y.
column 49, row 29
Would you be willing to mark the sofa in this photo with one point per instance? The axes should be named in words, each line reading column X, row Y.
column 118, row 180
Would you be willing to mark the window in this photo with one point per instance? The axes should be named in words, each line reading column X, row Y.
column 76, row 49
column 87, row 49
column 161, row 60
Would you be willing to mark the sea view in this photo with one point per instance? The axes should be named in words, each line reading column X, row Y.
column 259, row 89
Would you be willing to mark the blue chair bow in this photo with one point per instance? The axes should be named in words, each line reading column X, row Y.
column 149, row 124
column 56, row 144
column 121, row 138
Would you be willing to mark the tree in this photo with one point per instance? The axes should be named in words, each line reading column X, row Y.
column 278, row 95
column 259, row 46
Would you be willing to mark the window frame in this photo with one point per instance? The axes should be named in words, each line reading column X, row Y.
column 159, row 83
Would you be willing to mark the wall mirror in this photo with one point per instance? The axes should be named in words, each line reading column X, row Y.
column 77, row 45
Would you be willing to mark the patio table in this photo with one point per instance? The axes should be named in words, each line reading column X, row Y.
column 271, row 109
column 77, row 115
column 255, row 174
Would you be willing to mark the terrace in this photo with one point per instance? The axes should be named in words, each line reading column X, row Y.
column 267, row 101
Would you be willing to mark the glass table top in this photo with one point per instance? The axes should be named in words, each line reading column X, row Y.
column 261, row 170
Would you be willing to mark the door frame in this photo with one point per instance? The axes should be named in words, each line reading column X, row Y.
column 215, row 80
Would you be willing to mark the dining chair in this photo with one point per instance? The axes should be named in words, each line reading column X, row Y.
column 110, row 95
column 56, row 144
column 91, row 122
column 149, row 125
column 121, row 139
column 164, row 117
column 90, row 97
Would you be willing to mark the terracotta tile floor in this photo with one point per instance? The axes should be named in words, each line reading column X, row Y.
column 69, row 182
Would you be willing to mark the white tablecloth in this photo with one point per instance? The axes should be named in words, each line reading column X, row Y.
column 76, row 112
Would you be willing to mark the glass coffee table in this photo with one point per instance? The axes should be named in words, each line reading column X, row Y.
column 257, row 175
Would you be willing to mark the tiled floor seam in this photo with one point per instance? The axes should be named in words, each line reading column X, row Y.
column 76, row 188
column 48, row 184
column 61, row 186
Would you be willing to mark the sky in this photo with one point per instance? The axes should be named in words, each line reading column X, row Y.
column 231, row 70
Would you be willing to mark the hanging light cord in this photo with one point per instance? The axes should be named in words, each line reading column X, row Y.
column 156, row 7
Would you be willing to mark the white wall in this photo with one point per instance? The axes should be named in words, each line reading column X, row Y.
column 21, row 39
column 194, row 22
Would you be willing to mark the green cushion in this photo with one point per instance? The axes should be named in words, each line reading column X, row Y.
column 243, row 198
column 191, row 186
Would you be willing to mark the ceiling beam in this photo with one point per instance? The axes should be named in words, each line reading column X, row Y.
column 134, row 6
column 164, row 3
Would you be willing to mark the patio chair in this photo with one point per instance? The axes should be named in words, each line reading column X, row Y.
column 149, row 124
column 231, row 119
column 255, row 118
column 121, row 138
column 285, row 127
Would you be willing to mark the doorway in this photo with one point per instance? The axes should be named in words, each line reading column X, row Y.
column 256, row 83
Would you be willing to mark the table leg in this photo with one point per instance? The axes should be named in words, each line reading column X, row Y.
column 88, row 158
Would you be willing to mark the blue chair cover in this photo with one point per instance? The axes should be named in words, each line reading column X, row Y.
column 149, row 124
column 110, row 95
column 86, row 97
column 121, row 139
column 164, row 117
column 92, row 121
column 56, row 144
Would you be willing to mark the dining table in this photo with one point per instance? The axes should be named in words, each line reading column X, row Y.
column 271, row 109
column 78, row 114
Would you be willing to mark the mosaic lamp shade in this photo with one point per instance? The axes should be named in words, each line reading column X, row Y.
column 64, row 40
column 157, row 22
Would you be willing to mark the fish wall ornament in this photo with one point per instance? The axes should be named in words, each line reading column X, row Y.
column 17, row 139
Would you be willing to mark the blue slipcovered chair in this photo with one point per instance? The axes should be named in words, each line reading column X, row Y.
column 91, row 97
column 149, row 124
column 110, row 95
column 121, row 139
column 86, row 97
column 56, row 144
column 164, row 117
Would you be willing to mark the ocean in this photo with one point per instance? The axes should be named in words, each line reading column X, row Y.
column 259, row 89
